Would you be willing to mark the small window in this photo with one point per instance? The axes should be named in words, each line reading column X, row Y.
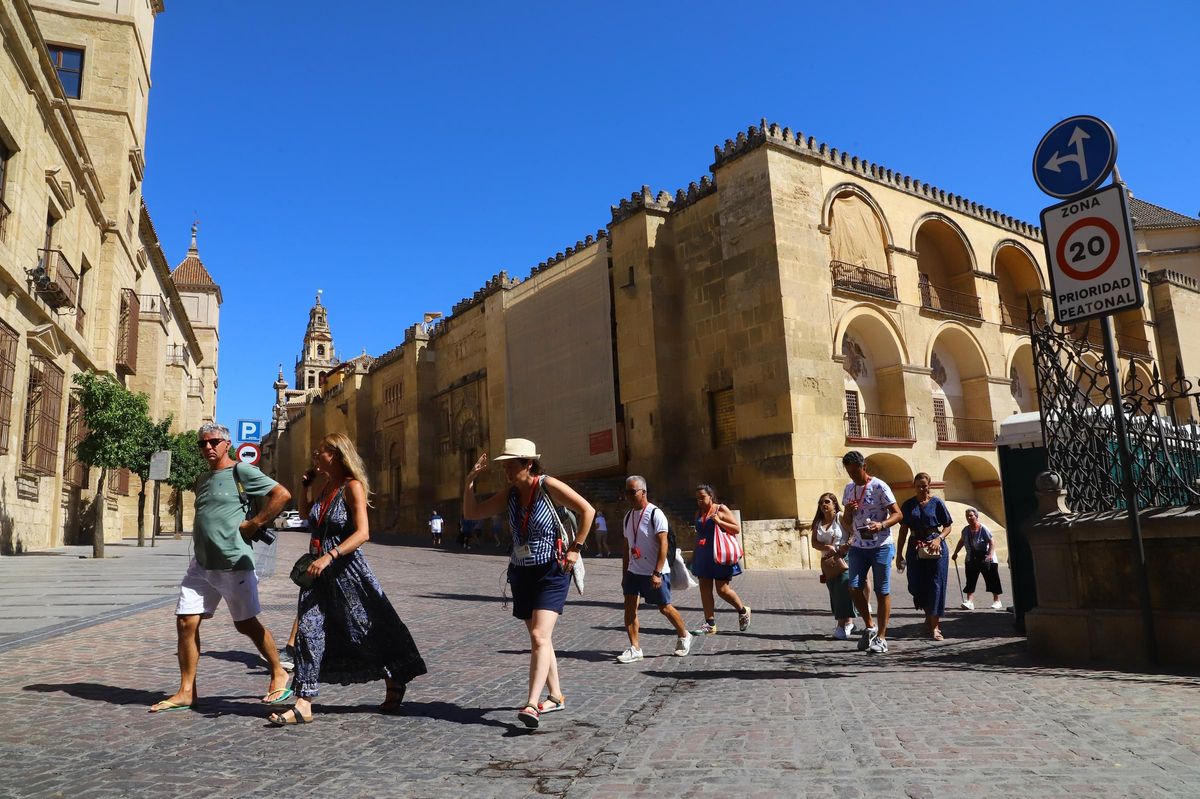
column 8, row 370
column 320, row 350
column 310, row 381
column 853, row 415
column 68, row 63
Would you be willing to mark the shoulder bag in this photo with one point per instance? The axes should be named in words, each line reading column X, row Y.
column 727, row 549
column 565, row 539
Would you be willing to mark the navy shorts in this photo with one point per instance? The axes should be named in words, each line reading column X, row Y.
column 639, row 585
column 541, row 587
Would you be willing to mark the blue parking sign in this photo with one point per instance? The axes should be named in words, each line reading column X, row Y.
column 249, row 430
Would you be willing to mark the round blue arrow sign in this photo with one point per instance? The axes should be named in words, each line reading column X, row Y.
column 1074, row 157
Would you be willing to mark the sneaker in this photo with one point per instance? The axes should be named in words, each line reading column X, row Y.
column 287, row 658
column 868, row 636
column 744, row 618
column 708, row 628
column 878, row 646
column 997, row 605
column 967, row 605
column 630, row 655
column 683, row 645
column 842, row 633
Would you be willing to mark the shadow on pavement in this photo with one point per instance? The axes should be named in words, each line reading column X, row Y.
column 590, row 655
column 572, row 600
column 98, row 692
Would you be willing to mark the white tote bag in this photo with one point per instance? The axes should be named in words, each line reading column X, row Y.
column 681, row 578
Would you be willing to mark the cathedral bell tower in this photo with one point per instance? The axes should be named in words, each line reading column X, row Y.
column 317, row 356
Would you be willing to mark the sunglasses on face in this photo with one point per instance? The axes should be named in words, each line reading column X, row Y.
column 633, row 492
column 210, row 442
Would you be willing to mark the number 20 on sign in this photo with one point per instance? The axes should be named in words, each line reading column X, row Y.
column 1093, row 271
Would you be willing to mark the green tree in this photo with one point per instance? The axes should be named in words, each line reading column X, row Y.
column 186, row 465
column 112, row 413
column 150, row 437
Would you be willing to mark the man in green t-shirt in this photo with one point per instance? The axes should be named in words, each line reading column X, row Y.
column 223, row 565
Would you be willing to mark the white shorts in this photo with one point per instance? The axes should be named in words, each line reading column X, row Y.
column 202, row 590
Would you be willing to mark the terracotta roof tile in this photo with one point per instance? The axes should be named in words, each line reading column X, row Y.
column 191, row 274
column 1149, row 215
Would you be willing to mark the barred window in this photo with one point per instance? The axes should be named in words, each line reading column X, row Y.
column 391, row 399
column 8, row 371
column 724, row 422
column 120, row 482
column 42, row 408
column 75, row 471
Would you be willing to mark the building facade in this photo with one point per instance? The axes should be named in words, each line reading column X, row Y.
column 84, row 283
column 795, row 303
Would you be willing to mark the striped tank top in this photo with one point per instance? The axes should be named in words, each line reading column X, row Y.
column 540, row 533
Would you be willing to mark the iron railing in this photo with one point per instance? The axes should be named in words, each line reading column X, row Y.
column 195, row 387
column 80, row 318
column 861, row 280
column 154, row 306
column 879, row 425
column 961, row 430
column 945, row 300
column 5, row 211
column 178, row 355
column 127, row 332
column 55, row 279
column 1162, row 421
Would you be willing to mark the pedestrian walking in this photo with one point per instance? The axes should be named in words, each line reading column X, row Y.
column 538, row 573
column 601, row 535
column 436, row 522
column 928, row 519
column 709, row 515
column 830, row 538
column 349, row 632
column 869, row 510
column 222, row 565
column 645, row 569
column 981, row 559
column 466, row 528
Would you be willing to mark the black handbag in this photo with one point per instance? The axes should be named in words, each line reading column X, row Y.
column 300, row 575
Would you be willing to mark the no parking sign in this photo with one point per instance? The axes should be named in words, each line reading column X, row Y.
column 1093, row 269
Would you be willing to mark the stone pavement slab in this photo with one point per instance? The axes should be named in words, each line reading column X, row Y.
column 781, row 709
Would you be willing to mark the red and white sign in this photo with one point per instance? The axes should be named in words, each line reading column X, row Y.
column 1093, row 268
column 249, row 453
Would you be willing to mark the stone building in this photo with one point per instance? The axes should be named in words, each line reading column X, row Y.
column 84, row 283
column 795, row 303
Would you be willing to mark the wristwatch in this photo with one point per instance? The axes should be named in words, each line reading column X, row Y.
column 659, row 575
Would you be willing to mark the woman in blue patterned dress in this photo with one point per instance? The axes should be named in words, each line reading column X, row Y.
column 349, row 631
column 927, row 518
column 538, row 572
column 704, row 565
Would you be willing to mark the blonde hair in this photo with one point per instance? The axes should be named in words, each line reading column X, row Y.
column 351, row 460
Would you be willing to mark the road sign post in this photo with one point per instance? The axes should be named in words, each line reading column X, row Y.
column 250, row 430
column 249, row 453
column 1094, row 274
column 160, row 469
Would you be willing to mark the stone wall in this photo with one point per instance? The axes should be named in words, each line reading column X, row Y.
column 776, row 544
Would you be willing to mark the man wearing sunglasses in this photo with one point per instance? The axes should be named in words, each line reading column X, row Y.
column 222, row 565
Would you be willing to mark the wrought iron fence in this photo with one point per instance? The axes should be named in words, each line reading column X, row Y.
column 947, row 300
column 879, row 425
column 1162, row 421
column 861, row 280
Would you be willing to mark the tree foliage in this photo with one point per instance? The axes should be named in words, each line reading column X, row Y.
column 149, row 437
column 186, row 461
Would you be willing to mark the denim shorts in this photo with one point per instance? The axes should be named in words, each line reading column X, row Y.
column 639, row 585
column 878, row 561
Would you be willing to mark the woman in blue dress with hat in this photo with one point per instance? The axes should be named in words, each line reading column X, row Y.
column 710, row 514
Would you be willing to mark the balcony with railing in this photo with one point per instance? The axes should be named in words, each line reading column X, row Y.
column 948, row 301
column 879, row 427
column 1014, row 316
column 80, row 319
column 960, row 431
column 5, row 211
column 154, row 307
column 195, row 387
column 55, row 280
column 861, row 280
column 178, row 355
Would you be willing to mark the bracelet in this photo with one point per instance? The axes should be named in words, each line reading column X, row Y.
column 335, row 550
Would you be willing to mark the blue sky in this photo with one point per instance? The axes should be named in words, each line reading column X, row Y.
column 397, row 154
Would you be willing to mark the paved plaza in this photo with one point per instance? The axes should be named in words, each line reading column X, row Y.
column 780, row 710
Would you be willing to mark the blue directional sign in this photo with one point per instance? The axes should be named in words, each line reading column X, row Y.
column 249, row 430
column 1074, row 157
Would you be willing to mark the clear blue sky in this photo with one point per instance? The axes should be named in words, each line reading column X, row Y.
column 398, row 154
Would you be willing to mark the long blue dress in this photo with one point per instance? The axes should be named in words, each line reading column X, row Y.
column 349, row 631
column 927, row 578
column 703, row 562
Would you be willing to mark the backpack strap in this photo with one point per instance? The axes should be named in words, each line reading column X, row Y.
column 243, row 498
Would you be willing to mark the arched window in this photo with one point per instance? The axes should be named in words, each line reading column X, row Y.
column 310, row 381
column 320, row 350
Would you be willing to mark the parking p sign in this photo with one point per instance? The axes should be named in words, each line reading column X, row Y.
column 1093, row 270
column 249, row 429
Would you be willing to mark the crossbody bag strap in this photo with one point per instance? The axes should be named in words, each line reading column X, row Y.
column 243, row 498
column 562, row 531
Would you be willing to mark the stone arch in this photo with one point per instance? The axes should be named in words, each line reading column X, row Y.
column 963, row 334
column 873, row 355
column 1020, row 283
column 874, row 255
column 944, row 222
column 1021, row 377
column 886, row 324
column 946, row 266
column 959, row 386
column 1021, row 250
column 973, row 481
column 891, row 469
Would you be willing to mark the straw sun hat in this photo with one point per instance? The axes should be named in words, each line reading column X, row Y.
column 518, row 448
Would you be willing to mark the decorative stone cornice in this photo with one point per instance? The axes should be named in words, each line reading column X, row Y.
column 644, row 200
column 769, row 133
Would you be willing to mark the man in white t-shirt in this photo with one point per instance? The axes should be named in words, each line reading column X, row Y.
column 435, row 528
column 646, row 569
column 869, row 512
column 601, row 525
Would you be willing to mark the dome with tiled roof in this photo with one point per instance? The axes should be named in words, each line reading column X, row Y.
column 190, row 274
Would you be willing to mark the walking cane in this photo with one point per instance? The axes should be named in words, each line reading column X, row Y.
column 958, row 574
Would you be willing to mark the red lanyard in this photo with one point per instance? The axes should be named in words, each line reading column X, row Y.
column 859, row 497
column 529, row 509
column 325, row 508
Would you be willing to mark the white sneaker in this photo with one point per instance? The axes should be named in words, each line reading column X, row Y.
column 997, row 605
column 967, row 605
column 843, row 633
column 868, row 635
column 683, row 645
column 630, row 655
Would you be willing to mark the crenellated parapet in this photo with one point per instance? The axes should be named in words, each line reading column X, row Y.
column 497, row 282
column 563, row 255
column 770, row 133
column 390, row 356
column 644, row 200
column 694, row 192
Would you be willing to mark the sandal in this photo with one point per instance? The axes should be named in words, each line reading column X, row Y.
column 392, row 700
column 167, row 705
column 281, row 696
column 529, row 716
column 282, row 720
column 552, row 705
column 937, row 635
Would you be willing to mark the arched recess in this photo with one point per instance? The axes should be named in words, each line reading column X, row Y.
column 396, row 468
column 958, row 383
column 893, row 470
column 1132, row 339
column 1021, row 378
column 872, row 355
column 860, row 242
column 945, row 266
column 972, row 481
column 1020, row 283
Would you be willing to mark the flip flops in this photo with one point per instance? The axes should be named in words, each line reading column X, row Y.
column 284, row 695
column 166, row 706
column 282, row 720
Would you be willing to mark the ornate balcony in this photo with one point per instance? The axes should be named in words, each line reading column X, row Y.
column 958, row 430
column 945, row 300
column 55, row 280
column 127, row 336
column 178, row 355
column 861, row 280
column 195, row 387
column 154, row 307
column 881, row 426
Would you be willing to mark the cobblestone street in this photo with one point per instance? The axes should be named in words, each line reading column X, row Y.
column 780, row 710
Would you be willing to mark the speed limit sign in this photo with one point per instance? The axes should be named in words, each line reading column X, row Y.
column 1093, row 268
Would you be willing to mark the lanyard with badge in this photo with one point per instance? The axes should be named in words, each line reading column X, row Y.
column 521, row 550
column 634, row 551
column 865, row 533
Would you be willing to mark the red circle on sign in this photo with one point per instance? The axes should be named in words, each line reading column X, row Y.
column 1113, row 240
column 249, row 447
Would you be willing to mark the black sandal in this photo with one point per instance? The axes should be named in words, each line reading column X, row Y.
column 393, row 700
